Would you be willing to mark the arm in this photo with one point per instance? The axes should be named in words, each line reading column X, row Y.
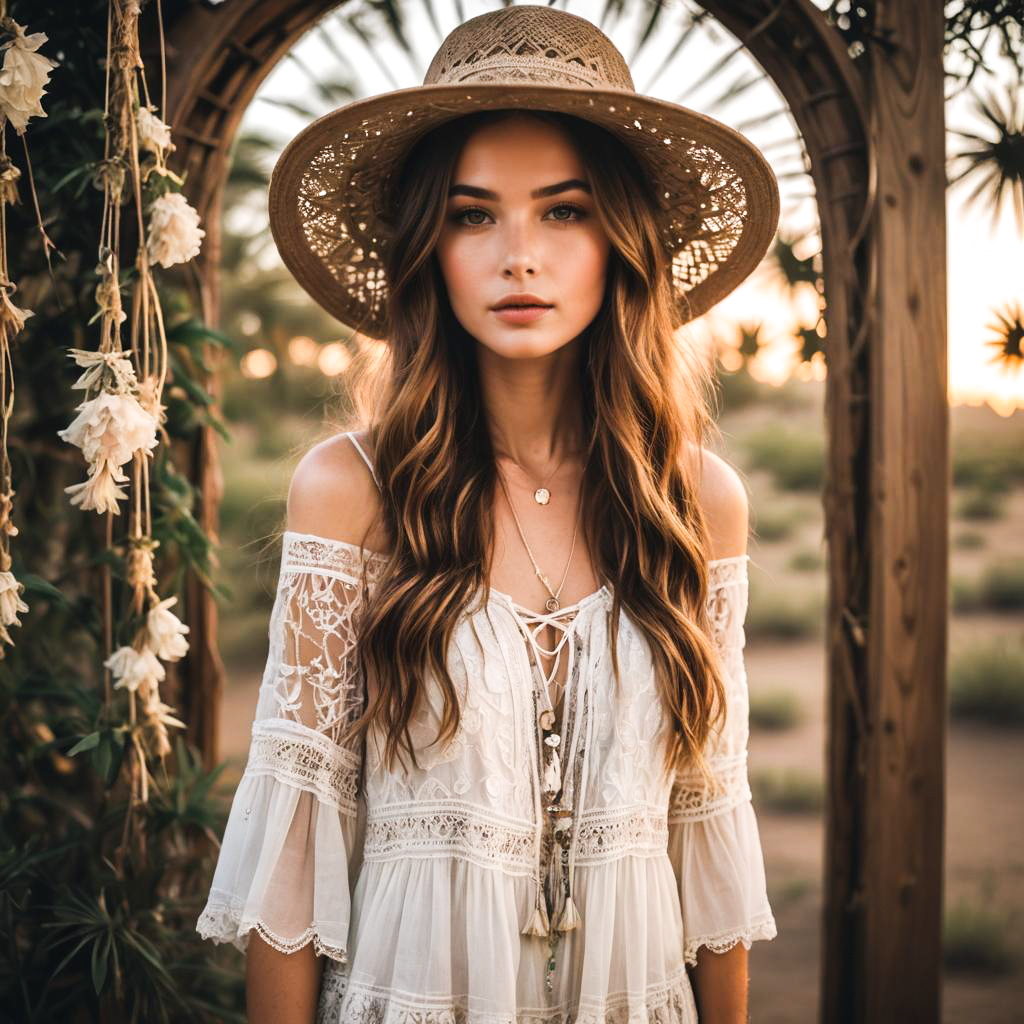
column 281, row 888
column 713, row 839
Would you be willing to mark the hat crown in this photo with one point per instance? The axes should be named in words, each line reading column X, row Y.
column 529, row 43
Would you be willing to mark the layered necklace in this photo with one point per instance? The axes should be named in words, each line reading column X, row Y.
column 560, row 818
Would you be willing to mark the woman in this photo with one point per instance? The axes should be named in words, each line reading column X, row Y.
column 498, row 767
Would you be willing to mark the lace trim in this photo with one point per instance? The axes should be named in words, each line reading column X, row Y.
column 449, row 829
column 307, row 551
column 692, row 800
column 610, row 835
column 343, row 1001
column 297, row 755
column 763, row 927
column 222, row 920
column 310, row 551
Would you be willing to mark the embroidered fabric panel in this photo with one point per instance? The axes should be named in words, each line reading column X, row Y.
column 692, row 799
column 449, row 829
column 295, row 754
column 670, row 1002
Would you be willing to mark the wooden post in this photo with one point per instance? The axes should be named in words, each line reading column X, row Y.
column 902, row 840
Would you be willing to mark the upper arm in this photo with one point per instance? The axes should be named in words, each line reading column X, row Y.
column 723, row 498
column 332, row 494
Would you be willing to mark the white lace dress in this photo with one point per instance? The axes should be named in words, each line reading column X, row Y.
column 425, row 890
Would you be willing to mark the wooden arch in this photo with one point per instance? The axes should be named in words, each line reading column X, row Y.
column 874, row 132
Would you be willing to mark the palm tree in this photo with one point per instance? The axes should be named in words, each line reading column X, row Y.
column 1009, row 339
column 997, row 163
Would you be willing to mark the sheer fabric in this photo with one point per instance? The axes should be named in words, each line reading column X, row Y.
column 421, row 888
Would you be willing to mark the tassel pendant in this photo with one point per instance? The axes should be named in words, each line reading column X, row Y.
column 553, row 773
column 570, row 916
column 538, row 923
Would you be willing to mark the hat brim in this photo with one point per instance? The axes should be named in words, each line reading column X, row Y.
column 720, row 196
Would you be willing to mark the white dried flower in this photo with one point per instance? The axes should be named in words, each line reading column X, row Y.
column 24, row 77
column 132, row 668
column 154, row 135
column 166, row 632
column 111, row 427
column 10, row 604
column 119, row 364
column 100, row 491
column 174, row 232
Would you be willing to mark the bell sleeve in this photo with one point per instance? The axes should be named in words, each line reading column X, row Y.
column 713, row 839
column 292, row 842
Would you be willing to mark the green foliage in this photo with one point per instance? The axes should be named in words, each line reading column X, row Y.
column 977, row 938
column 788, row 790
column 89, row 934
column 986, row 683
column 783, row 617
column 795, row 459
column 775, row 710
column 771, row 523
column 807, row 560
column 981, row 504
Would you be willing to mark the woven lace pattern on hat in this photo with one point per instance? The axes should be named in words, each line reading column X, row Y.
column 703, row 198
column 539, row 45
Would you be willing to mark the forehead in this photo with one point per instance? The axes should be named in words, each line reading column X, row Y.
column 519, row 151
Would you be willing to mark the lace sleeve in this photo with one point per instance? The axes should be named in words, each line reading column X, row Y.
column 714, row 842
column 293, row 836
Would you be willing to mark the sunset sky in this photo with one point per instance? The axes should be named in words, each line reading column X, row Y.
column 985, row 269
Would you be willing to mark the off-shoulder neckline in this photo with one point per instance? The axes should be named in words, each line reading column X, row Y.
column 374, row 555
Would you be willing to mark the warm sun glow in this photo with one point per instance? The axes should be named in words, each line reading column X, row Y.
column 258, row 363
column 334, row 358
column 303, row 351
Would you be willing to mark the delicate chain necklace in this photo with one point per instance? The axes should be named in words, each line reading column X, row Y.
column 552, row 603
column 542, row 495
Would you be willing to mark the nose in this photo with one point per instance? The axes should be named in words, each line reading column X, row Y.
column 519, row 259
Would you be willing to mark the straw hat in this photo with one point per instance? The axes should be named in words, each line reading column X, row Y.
column 720, row 197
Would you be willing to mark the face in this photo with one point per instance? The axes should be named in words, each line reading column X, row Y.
column 520, row 219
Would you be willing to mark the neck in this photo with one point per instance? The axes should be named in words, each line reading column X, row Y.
column 532, row 406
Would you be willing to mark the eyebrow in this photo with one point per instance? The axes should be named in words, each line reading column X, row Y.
column 538, row 193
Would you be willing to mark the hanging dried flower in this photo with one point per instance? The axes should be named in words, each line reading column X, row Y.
column 111, row 427
column 10, row 315
column 132, row 668
column 174, row 232
column 24, row 76
column 9, row 175
column 10, row 604
column 166, row 632
column 120, row 375
column 154, row 135
column 100, row 491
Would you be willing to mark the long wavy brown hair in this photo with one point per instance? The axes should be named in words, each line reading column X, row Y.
column 646, row 416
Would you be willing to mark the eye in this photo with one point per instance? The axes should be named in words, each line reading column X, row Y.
column 465, row 212
column 572, row 208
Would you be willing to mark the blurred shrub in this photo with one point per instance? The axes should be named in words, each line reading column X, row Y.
column 807, row 560
column 986, row 683
column 1002, row 586
column 981, row 504
column 774, row 524
column 976, row 939
column 969, row 540
column 989, row 460
column 788, row 790
column 783, row 616
column 775, row 710
column 795, row 459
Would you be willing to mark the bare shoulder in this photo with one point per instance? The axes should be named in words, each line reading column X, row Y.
column 332, row 494
column 723, row 498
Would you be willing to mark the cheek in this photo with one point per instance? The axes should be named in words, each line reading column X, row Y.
column 458, row 268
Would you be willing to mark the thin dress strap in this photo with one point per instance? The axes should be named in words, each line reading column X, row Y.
column 359, row 448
